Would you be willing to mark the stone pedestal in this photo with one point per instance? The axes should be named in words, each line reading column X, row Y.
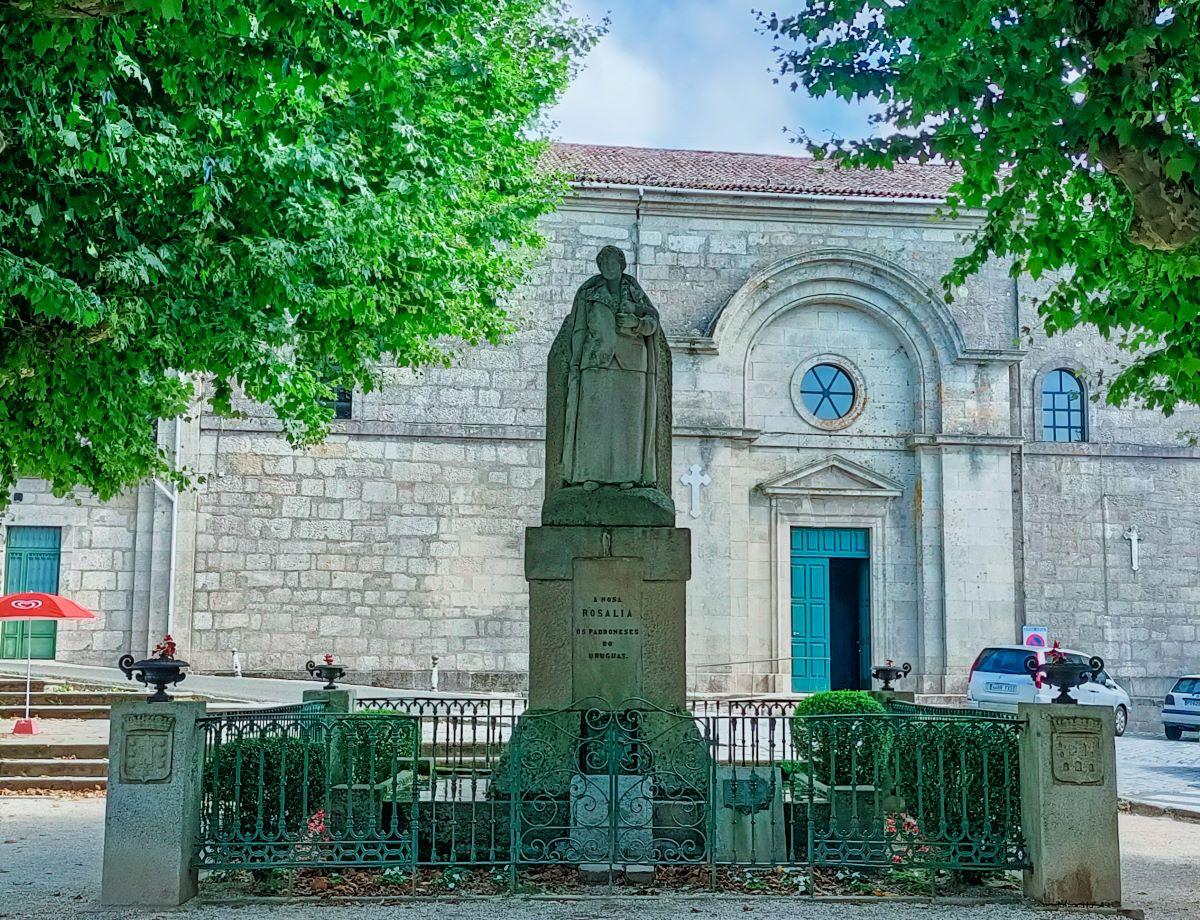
column 900, row 696
column 749, row 822
column 336, row 701
column 611, row 818
column 606, row 615
column 152, row 816
column 1069, row 804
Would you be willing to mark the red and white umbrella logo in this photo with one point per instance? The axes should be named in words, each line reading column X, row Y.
column 34, row 605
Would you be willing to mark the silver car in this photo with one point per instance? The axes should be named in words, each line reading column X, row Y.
column 1000, row 680
column 1181, row 708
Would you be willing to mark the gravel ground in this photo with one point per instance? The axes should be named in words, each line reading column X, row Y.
column 50, row 868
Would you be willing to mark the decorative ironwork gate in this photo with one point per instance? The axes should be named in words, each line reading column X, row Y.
column 629, row 785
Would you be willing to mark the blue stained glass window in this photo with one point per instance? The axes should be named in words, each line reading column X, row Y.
column 827, row 391
column 1063, row 416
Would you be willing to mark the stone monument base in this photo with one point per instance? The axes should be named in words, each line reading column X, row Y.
column 607, row 686
column 576, row 506
column 606, row 615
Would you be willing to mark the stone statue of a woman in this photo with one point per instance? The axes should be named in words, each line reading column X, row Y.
column 609, row 390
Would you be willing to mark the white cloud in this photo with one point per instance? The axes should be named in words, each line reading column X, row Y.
column 692, row 74
column 619, row 98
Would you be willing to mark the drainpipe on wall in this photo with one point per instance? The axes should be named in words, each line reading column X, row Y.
column 1017, row 427
column 637, row 235
column 173, row 497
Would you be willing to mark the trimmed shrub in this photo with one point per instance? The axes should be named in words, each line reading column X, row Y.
column 840, row 749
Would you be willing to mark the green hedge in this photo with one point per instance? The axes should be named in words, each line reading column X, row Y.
column 958, row 775
column 264, row 779
column 282, row 781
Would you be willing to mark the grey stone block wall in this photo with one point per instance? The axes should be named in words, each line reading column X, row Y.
column 401, row 537
column 382, row 551
column 1079, row 578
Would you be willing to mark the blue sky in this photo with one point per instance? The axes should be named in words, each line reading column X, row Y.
column 692, row 74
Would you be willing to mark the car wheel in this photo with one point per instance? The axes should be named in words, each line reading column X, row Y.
column 1173, row 732
column 1120, row 721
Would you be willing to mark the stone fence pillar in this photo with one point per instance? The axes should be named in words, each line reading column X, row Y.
column 152, row 817
column 338, row 702
column 1069, row 804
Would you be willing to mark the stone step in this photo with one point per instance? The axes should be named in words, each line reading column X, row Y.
column 56, row 767
column 54, row 712
column 53, row 783
column 35, row 750
column 71, row 698
column 15, row 685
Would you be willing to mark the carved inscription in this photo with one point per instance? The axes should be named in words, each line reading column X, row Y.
column 147, row 749
column 1076, row 758
column 607, row 629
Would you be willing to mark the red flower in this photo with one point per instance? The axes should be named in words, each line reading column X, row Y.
column 328, row 658
column 1056, row 654
column 166, row 648
column 316, row 824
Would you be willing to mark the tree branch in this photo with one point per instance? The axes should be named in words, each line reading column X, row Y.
column 1166, row 214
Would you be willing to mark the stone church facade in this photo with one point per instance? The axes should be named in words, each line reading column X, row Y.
column 868, row 471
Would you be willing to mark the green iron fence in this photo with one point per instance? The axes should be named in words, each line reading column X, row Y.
column 476, row 783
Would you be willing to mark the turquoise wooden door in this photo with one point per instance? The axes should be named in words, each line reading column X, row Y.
column 812, row 605
column 810, row 624
column 30, row 564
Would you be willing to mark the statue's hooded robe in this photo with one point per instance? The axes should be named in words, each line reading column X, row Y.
column 610, row 428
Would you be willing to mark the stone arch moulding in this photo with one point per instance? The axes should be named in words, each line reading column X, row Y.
column 895, row 297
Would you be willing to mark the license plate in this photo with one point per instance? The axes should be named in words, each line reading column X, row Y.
column 1194, row 701
column 1003, row 688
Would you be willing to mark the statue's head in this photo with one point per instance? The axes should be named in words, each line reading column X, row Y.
column 611, row 262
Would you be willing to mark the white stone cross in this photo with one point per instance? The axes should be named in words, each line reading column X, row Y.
column 1133, row 537
column 694, row 478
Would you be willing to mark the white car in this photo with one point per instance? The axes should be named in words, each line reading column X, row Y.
column 1181, row 708
column 1000, row 680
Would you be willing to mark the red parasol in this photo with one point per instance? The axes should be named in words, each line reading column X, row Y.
column 33, row 605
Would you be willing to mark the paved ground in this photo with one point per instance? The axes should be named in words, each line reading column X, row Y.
column 50, row 870
column 1156, row 771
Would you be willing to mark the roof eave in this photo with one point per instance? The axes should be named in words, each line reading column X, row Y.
column 673, row 196
column 930, row 200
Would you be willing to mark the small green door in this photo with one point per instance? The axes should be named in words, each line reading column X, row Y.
column 30, row 564
column 810, row 624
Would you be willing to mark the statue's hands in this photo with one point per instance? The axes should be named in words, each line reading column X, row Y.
column 627, row 323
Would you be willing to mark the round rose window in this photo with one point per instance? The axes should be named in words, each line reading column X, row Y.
column 827, row 392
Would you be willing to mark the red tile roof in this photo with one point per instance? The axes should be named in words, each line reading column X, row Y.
column 745, row 172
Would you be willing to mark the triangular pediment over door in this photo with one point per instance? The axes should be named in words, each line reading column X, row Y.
column 834, row 475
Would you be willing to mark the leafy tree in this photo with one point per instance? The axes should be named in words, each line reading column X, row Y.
column 269, row 196
column 1075, row 123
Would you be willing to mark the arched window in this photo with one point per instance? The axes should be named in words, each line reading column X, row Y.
column 1062, row 407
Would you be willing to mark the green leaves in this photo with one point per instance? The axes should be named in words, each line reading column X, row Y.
column 1078, row 130
column 254, row 195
